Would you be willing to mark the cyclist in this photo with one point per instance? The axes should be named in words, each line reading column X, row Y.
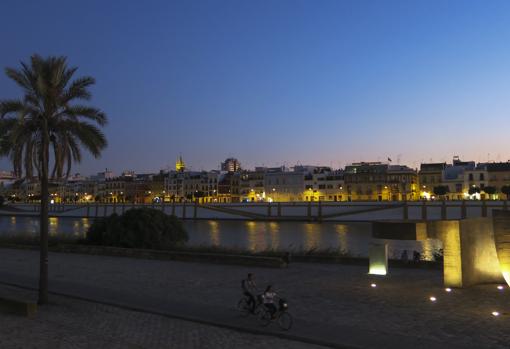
column 249, row 290
column 269, row 296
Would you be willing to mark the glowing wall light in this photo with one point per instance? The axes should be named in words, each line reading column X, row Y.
column 378, row 259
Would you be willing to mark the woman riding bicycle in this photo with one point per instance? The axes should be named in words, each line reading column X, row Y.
column 269, row 296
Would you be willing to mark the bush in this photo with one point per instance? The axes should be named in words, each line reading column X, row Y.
column 138, row 228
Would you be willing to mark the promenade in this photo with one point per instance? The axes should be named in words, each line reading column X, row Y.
column 331, row 304
column 69, row 323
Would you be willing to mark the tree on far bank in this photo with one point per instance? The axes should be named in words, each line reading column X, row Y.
column 506, row 190
column 441, row 190
column 47, row 120
column 490, row 190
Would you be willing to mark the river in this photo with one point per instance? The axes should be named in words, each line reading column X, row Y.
column 350, row 238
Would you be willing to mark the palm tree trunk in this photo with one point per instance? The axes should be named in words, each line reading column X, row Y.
column 44, row 220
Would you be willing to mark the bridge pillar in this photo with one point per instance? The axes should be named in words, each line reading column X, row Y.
column 88, row 210
column 463, row 210
column 405, row 209
column 424, row 211
column 484, row 208
column 279, row 210
column 443, row 210
column 269, row 209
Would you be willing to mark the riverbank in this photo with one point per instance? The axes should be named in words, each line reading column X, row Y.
column 333, row 302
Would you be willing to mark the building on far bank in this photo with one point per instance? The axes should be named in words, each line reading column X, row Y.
column 282, row 185
column 251, row 185
column 430, row 176
column 375, row 181
column 499, row 177
column 231, row 165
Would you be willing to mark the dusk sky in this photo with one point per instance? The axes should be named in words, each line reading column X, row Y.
column 279, row 82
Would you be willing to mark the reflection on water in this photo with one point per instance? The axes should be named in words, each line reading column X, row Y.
column 214, row 232
column 341, row 231
column 351, row 238
column 310, row 236
column 274, row 235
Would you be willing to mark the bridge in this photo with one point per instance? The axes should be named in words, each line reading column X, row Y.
column 282, row 211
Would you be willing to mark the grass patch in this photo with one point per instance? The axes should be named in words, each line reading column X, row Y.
column 67, row 239
column 33, row 240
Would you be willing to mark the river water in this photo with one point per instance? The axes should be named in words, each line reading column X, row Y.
column 350, row 238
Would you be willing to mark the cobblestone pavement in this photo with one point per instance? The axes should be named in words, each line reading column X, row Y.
column 337, row 295
column 68, row 323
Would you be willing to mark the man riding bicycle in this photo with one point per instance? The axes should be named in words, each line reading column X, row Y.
column 249, row 290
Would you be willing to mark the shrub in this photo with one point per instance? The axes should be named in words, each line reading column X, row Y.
column 138, row 228
column 441, row 190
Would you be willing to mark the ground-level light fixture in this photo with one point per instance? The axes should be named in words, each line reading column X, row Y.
column 448, row 289
column 373, row 285
column 500, row 287
column 433, row 299
column 495, row 313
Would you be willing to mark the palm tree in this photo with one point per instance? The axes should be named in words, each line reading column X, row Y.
column 48, row 120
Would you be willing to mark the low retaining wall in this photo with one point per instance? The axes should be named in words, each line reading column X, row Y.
column 17, row 306
column 184, row 256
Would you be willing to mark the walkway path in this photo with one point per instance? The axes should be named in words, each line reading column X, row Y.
column 68, row 323
column 331, row 303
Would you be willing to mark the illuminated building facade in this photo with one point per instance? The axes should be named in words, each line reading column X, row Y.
column 375, row 181
column 231, row 165
column 251, row 185
column 191, row 186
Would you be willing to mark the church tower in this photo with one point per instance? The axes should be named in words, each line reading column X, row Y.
column 179, row 165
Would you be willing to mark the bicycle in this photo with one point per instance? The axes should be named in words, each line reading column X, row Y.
column 281, row 315
column 244, row 306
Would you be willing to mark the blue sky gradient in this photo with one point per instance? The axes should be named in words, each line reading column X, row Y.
column 282, row 81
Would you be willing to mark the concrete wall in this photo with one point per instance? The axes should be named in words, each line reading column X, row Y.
column 469, row 249
column 501, row 223
column 480, row 262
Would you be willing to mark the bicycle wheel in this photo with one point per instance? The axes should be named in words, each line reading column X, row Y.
column 243, row 307
column 264, row 317
column 258, row 310
column 285, row 321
